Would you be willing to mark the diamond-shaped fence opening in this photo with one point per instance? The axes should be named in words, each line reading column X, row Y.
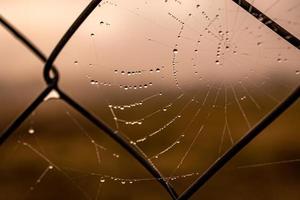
column 52, row 90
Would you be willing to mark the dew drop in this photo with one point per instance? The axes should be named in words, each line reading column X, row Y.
column 116, row 155
column 175, row 51
column 297, row 72
column 31, row 131
column 52, row 96
column 93, row 82
column 102, row 180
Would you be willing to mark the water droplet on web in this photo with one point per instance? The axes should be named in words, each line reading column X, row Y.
column 50, row 167
column 52, row 96
column 217, row 62
column 175, row 51
column 31, row 131
column 102, row 180
column 123, row 182
column 297, row 72
column 116, row 155
column 76, row 62
column 93, row 82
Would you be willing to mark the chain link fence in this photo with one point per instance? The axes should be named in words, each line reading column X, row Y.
column 51, row 77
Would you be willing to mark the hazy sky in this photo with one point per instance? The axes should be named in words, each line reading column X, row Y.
column 218, row 41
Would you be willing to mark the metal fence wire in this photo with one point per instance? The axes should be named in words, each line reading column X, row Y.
column 51, row 76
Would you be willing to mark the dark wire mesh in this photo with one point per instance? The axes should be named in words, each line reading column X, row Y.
column 51, row 76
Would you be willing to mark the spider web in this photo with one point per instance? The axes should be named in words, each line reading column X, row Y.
column 182, row 80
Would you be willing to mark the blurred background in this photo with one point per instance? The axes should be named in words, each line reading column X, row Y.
column 183, row 80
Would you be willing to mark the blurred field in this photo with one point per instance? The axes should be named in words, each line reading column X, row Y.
column 61, row 141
